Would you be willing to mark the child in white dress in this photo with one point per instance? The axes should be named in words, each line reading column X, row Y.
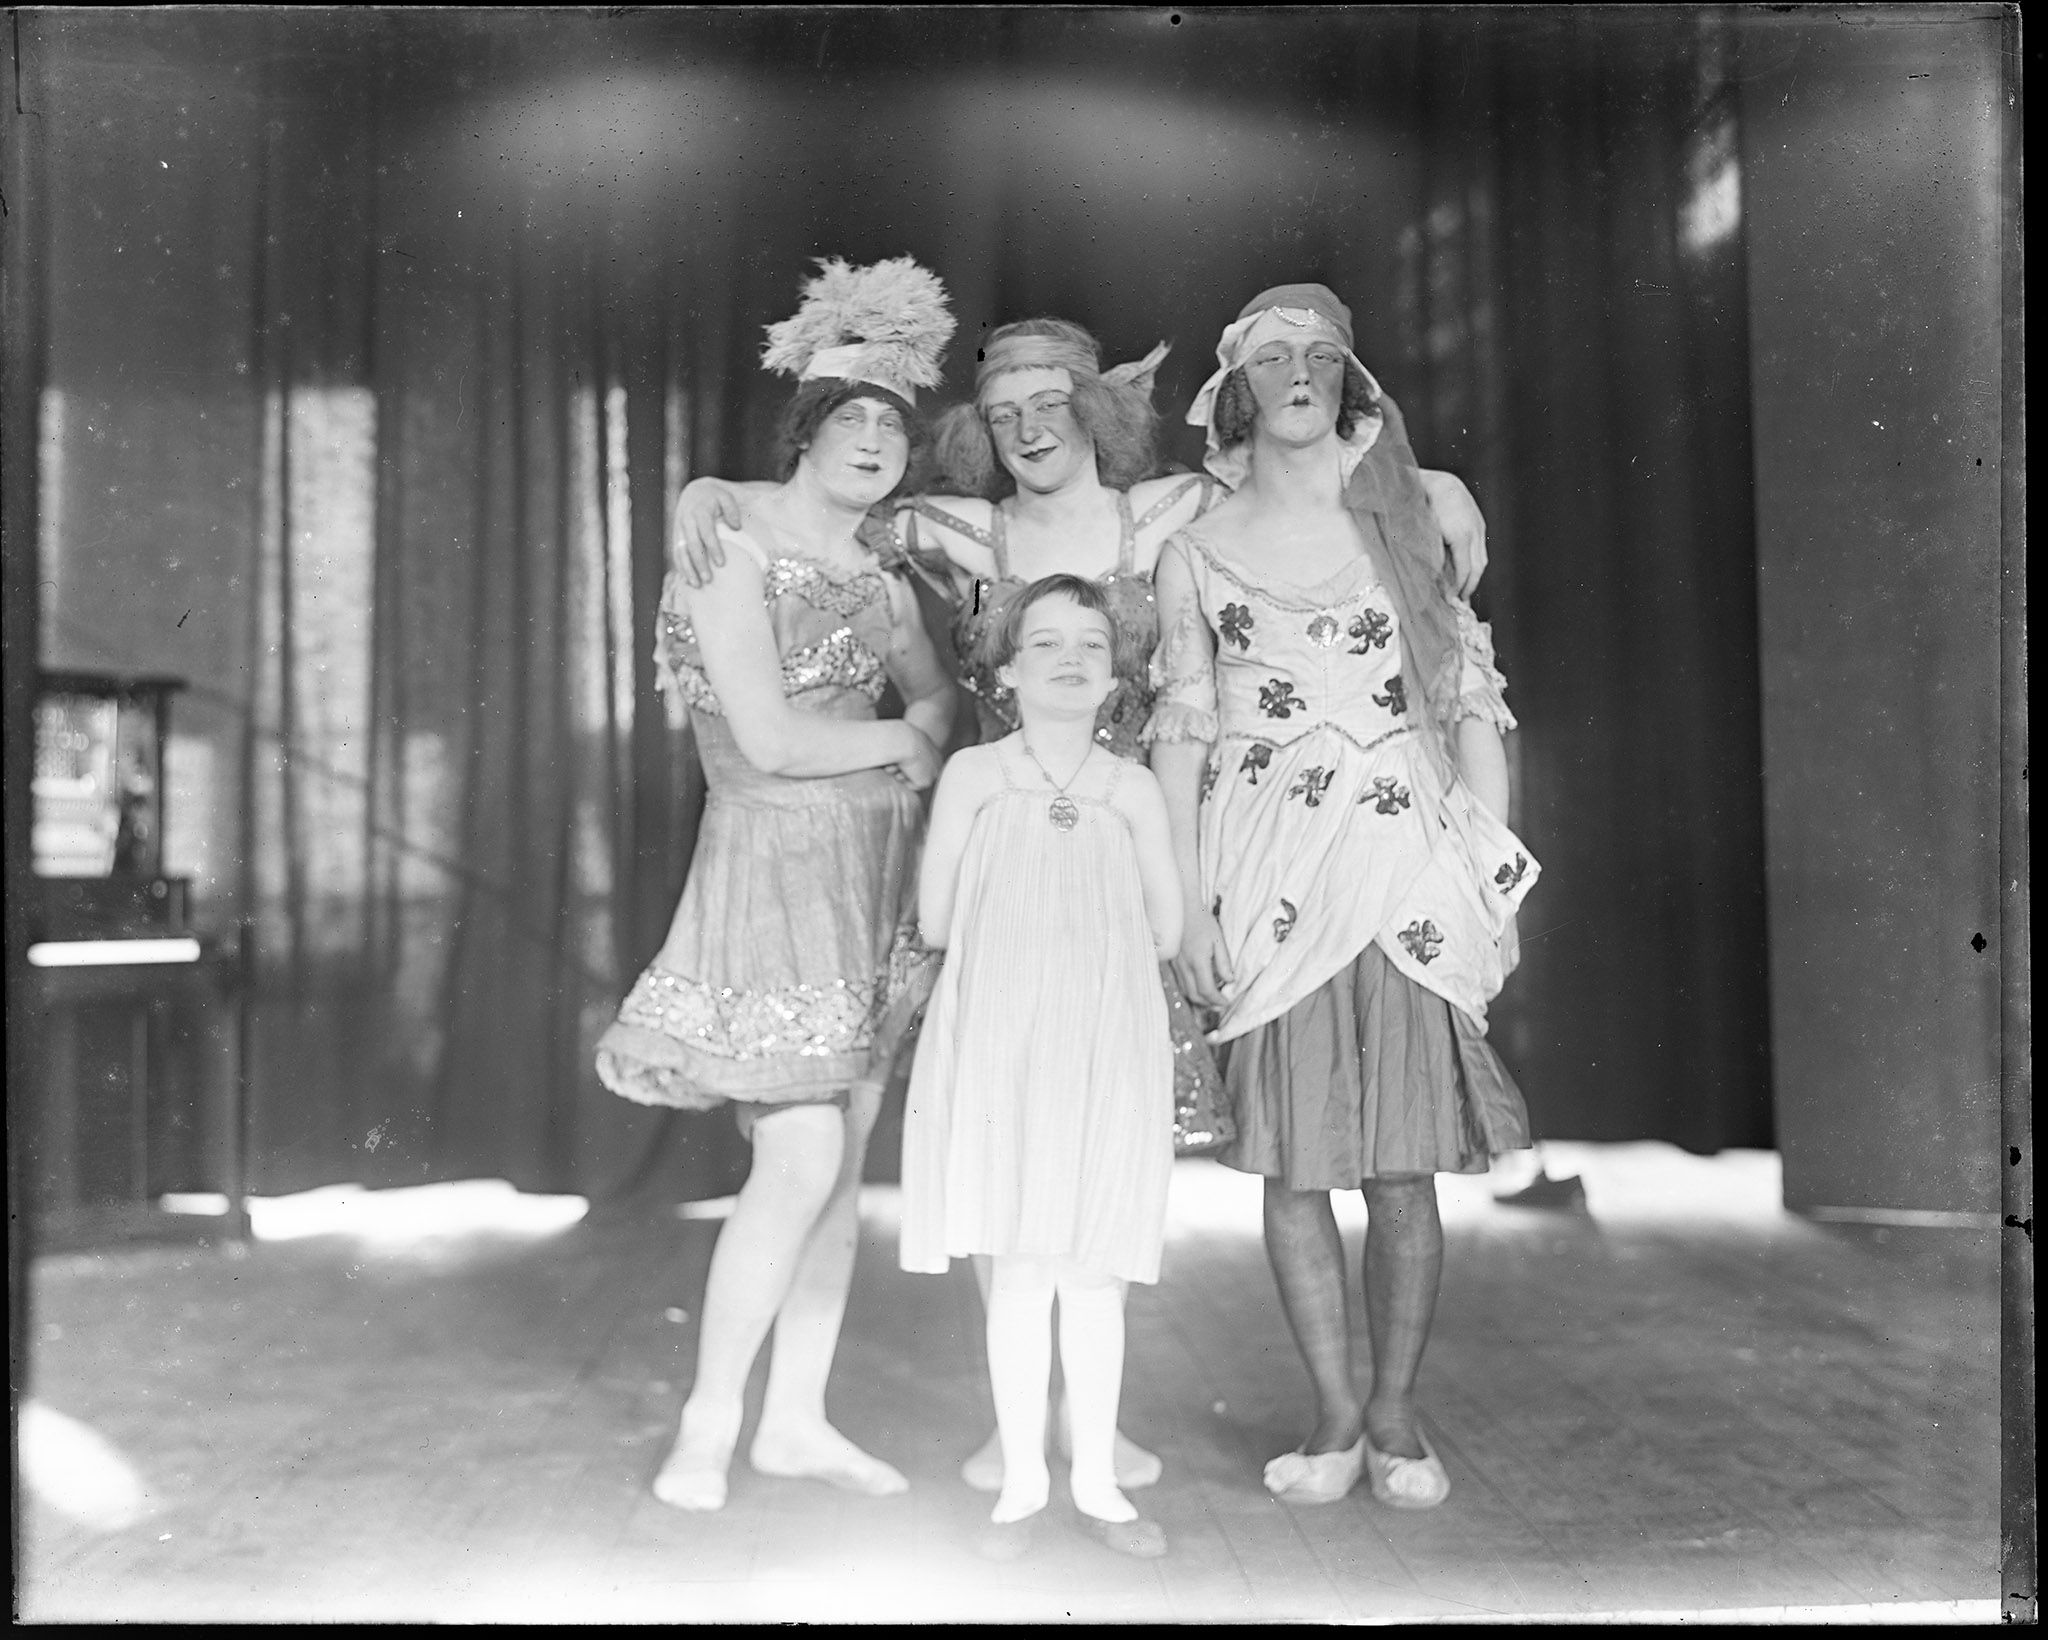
column 1039, row 1127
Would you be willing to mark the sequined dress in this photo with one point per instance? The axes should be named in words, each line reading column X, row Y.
column 1201, row 1120
column 1040, row 1113
column 783, row 974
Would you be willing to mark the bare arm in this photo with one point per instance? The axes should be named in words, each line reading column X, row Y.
column 960, row 791
column 1483, row 761
column 738, row 646
column 694, row 549
column 929, row 697
column 1462, row 526
column 1187, row 649
column 1145, row 807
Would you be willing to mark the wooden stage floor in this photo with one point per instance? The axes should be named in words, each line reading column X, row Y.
column 1683, row 1401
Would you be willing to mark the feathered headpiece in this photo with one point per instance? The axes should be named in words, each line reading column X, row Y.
column 886, row 323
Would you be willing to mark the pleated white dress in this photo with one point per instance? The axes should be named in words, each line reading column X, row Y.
column 1040, row 1110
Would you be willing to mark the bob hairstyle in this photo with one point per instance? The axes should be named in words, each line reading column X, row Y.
column 1004, row 636
column 1237, row 412
column 814, row 400
column 1117, row 417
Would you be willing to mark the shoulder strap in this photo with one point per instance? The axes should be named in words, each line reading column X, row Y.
column 939, row 515
column 1127, row 534
column 1116, row 773
column 1171, row 499
column 998, row 541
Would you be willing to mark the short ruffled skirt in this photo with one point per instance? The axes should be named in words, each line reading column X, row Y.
column 1368, row 1076
column 791, row 969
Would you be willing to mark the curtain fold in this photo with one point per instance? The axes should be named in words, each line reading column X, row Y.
column 379, row 350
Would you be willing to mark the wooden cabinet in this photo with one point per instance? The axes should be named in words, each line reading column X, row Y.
column 140, row 1088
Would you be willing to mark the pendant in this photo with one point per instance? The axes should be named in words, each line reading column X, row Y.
column 1063, row 814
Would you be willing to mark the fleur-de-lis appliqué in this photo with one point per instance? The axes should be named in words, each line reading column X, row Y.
column 1235, row 623
column 1311, row 785
column 1208, row 781
column 1322, row 631
column 1283, row 925
column 1395, row 700
column 1277, row 699
column 1423, row 939
column 1371, row 630
column 1388, row 795
column 1257, row 756
column 1509, row 876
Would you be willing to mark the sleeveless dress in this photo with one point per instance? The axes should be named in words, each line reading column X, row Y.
column 1364, row 902
column 1040, row 1113
column 786, row 970
column 1201, row 1120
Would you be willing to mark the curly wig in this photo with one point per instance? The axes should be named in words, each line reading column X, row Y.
column 816, row 399
column 1117, row 416
column 1002, row 637
column 1237, row 411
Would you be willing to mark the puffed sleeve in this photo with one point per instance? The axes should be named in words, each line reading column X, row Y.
column 1482, row 691
column 1183, row 669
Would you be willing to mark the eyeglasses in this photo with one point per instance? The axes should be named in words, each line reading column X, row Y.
column 1006, row 416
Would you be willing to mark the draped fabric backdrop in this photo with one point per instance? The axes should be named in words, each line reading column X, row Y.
column 379, row 344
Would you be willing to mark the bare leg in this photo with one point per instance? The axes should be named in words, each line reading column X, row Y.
column 793, row 1437
column 1404, row 1259
column 1092, row 1362
column 797, row 1152
column 1307, row 1256
column 1019, row 1374
column 1135, row 1466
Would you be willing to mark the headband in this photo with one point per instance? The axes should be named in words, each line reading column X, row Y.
column 1042, row 352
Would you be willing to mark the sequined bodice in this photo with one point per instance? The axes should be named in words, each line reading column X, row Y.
column 831, row 628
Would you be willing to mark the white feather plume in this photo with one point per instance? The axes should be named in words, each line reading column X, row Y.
column 896, row 309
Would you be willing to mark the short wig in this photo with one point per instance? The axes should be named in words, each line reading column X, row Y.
column 816, row 399
column 1117, row 416
column 1003, row 636
column 1237, row 411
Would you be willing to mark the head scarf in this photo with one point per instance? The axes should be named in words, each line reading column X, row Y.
column 1287, row 311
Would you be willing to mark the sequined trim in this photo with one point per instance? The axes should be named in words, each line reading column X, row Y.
column 807, row 1021
column 837, row 660
column 820, row 588
column 1332, row 727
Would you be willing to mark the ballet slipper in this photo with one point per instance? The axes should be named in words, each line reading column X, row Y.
column 1141, row 1539
column 1316, row 1477
column 1408, row 1483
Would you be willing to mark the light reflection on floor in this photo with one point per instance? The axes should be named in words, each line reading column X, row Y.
column 407, row 1216
column 1623, row 1182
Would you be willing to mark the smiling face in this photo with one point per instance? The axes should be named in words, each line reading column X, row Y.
column 1064, row 665
column 1030, row 416
column 1298, row 383
column 859, row 451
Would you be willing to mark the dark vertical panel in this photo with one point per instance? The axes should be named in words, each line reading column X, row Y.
column 1872, row 175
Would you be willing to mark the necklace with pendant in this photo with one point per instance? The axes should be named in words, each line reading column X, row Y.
column 1062, row 811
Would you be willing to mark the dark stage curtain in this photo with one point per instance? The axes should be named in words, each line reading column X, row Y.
column 1576, row 332
column 378, row 345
